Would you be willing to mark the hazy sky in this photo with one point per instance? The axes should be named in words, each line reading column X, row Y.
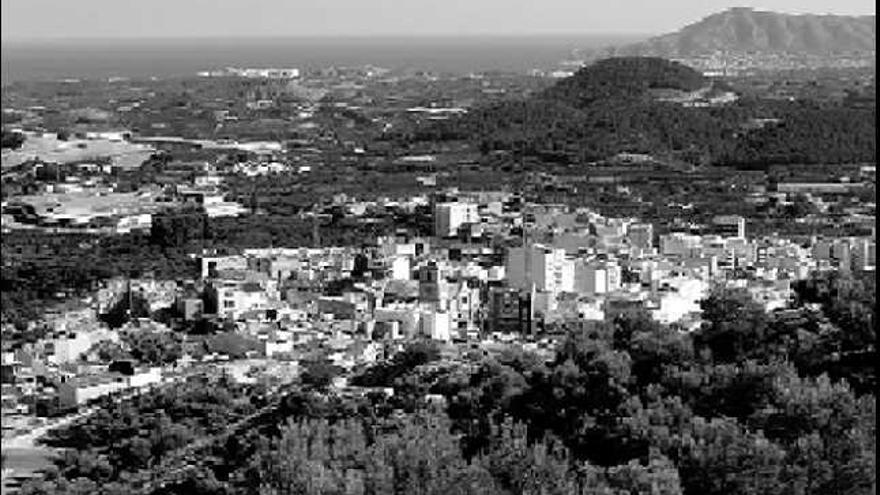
column 43, row 19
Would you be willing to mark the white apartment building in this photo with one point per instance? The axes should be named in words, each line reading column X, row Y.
column 596, row 277
column 463, row 304
column 400, row 268
column 436, row 325
column 864, row 254
column 640, row 235
column 680, row 244
column 679, row 298
column 590, row 279
column 235, row 297
column 69, row 347
column 730, row 225
column 546, row 268
column 448, row 217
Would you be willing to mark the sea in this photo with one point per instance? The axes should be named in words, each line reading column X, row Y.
column 137, row 59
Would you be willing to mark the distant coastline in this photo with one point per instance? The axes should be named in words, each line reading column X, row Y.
column 26, row 60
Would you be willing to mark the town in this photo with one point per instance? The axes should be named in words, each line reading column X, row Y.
column 490, row 271
column 640, row 273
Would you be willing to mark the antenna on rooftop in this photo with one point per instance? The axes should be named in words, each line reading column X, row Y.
column 522, row 154
column 128, row 289
column 316, row 232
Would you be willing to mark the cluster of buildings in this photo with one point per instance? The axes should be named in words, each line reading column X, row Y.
column 732, row 63
column 56, row 373
column 262, row 73
column 93, row 202
column 496, row 269
column 704, row 97
column 496, row 264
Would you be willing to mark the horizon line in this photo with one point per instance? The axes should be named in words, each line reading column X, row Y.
column 378, row 36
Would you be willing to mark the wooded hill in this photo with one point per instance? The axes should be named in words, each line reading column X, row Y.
column 608, row 107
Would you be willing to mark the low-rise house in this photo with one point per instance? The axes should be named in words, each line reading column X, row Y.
column 74, row 391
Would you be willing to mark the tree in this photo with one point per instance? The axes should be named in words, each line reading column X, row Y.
column 128, row 306
column 154, row 348
column 519, row 466
column 413, row 455
column 849, row 303
column 578, row 398
column 478, row 400
column 652, row 347
column 412, row 356
column 234, row 345
column 727, row 390
column 175, row 228
column 12, row 140
column 800, row 207
column 658, row 476
column 720, row 457
column 826, row 430
column 108, row 351
column 735, row 327
column 319, row 374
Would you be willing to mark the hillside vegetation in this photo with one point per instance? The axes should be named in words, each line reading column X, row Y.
column 607, row 108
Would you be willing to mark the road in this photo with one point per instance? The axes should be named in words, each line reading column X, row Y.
column 29, row 440
column 170, row 470
column 24, row 453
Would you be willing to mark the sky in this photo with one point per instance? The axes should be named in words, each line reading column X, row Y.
column 100, row 19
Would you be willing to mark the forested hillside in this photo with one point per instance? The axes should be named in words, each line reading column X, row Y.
column 607, row 108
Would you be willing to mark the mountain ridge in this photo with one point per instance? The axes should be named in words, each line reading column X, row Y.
column 746, row 30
